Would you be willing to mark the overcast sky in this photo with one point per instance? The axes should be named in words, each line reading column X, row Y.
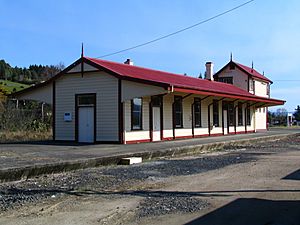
column 264, row 31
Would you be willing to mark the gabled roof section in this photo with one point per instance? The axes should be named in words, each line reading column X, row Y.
column 179, row 82
column 249, row 71
column 167, row 80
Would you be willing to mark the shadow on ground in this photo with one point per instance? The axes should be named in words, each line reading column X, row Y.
column 293, row 176
column 46, row 142
column 252, row 211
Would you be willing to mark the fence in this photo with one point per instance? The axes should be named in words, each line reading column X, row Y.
column 20, row 119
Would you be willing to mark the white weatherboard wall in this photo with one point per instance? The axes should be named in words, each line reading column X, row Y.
column 135, row 135
column 240, row 79
column 106, row 88
column 260, row 119
column 168, row 115
column 132, row 90
column 86, row 68
column 260, row 88
column 261, row 113
column 42, row 94
column 186, row 118
column 204, row 118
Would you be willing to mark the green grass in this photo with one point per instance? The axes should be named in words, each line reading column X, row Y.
column 9, row 86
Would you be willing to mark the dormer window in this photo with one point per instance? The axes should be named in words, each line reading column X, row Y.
column 228, row 80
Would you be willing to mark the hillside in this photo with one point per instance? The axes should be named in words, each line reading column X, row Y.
column 8, row 87
column 11, row 76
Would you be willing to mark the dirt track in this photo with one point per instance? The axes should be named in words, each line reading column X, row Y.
column 256, row 184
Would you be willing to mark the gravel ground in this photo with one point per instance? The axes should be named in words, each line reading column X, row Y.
column 157, row 206
column 123, row 179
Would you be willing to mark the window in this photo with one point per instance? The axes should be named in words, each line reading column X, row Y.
column 86, row 99
column 268, row 90
column 136, row 114
column 251, row 85
column 178, row 112
column 228, row 80
column 231, row 113
column 156, row 101
column 197, row 112
column 240, row 114
column 216, row 113
column 248, row 115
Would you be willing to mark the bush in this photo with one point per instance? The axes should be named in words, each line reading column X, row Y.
column 26, row 118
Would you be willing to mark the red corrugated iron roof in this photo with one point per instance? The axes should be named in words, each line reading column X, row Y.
column 177, row 81
column 167, row 80
column 253, row 72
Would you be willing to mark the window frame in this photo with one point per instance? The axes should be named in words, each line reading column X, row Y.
column 216, row 113
column 91, row 100
column 178, row 99
column 240, row 114
column 248, row 115
column 134, row 127
column 197, row 124
column 230, row 111
column 227, row 80
column 268, row 90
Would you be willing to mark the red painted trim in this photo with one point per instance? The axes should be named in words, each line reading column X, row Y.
column 168, row 139
column 187, row 137
column 243, row 132
column 201, row 135
column 215, row 135
column 250, row 98
column 183, row 137
column 138, row 141
column 103, row 68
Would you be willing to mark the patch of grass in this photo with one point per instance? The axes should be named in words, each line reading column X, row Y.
column 8, row 86
column 20, row 136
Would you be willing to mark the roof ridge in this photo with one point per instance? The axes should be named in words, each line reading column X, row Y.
column 140, row 67
column 161, row 71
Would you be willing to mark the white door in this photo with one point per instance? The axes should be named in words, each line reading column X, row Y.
column 156, row 124
column 86, row 124
column 225, row 122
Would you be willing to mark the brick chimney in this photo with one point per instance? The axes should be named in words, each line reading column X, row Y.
column 209, row 71
column 129, row 62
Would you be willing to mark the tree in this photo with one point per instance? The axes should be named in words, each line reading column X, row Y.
column 2, row 100
column 281, row 116
column 271, row 117
column 297, row 113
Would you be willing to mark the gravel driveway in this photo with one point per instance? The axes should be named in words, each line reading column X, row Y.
column 137, row 180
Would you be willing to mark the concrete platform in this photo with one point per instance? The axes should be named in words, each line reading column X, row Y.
column 24, row 160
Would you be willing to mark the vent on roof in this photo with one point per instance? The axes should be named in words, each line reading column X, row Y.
column 129, row 62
